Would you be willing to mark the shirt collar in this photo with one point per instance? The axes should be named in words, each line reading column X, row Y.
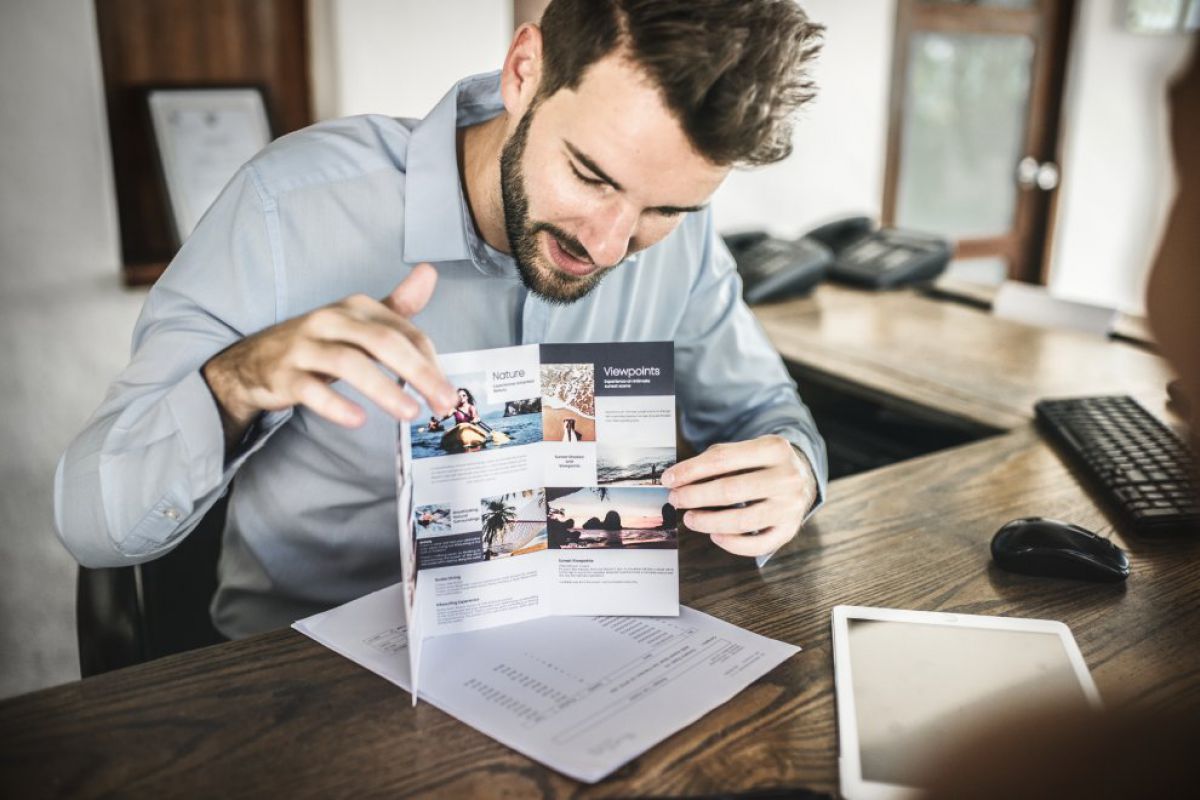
column 437, row 220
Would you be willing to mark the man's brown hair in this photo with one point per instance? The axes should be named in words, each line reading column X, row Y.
column 731, row 71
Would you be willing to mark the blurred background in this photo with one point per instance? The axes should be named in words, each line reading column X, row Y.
column 1030, row 133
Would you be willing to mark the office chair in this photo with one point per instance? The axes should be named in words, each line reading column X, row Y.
column 129, row 615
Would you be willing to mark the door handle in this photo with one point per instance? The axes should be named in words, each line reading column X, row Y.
column 1034, row 175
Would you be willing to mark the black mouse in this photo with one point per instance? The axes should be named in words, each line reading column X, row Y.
column 1053, row 549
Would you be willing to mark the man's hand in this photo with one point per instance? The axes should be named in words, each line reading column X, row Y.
column 294, row 362
column 767, row 474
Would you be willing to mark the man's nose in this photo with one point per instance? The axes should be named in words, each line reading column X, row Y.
column 608, row 232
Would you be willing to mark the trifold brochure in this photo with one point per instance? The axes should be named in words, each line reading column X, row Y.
column 582, row 695
column 541, row 494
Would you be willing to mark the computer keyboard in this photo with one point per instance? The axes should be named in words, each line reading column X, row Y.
column 1138, row 463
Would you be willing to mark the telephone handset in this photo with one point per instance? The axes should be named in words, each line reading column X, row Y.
column 841, row 233
column 883, row 258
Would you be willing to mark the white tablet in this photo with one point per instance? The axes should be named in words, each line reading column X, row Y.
column 911, row 684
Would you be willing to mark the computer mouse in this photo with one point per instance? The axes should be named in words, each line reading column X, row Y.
column 1053, row 549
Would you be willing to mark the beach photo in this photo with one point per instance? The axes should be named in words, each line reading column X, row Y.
column 568, row 402
column 475, row 424
column 514, row 523
column 431, row 520
column 601, row 517
column 617, row 465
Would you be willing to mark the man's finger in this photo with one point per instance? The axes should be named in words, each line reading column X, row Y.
column 413, row 293
column 720, row 459
column 318, row 396
column 735, row 521
column 768, row 541
column 745, row 487
column 391, row 344
column 418, row 338
column 355, row 368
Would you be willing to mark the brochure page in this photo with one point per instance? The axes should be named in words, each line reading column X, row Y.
column 541, row 493
column 613, row 537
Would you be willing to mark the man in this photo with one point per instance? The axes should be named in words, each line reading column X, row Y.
column 563, row 199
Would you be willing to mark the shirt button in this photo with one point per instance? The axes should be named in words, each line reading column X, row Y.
column 171, row 513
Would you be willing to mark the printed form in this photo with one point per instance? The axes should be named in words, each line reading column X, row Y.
column 582, row 695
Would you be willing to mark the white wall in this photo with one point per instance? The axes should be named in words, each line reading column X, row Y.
column 398, row 57
column 1117, row 172
column 64, row 317
column 838, row 163
column 56, row 191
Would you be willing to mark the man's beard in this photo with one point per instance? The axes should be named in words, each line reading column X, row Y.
column 546, row 281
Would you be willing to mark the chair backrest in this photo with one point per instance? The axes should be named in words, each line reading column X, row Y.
column 128, row 615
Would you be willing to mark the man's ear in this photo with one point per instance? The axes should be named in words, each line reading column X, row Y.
column 522, row 72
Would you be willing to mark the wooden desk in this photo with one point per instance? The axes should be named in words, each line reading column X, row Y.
column 278, row 714
column 923, row 352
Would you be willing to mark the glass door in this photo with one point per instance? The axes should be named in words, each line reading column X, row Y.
column 976, row 93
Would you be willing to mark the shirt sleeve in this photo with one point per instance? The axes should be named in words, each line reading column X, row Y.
column 151, row 460
column 732, row 383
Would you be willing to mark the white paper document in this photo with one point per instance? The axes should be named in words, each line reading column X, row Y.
column 1034, row 305
column 541, row 494
column 582, row 695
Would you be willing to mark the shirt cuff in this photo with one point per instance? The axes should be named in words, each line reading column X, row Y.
column 257, row 435
column 814, row 455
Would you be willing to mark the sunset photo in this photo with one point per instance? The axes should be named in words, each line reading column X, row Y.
column 602, row 517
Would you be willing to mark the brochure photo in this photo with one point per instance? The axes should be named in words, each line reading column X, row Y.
column 541, row 493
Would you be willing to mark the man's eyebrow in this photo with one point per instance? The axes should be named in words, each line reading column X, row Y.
column 591, row 165
column 602, row 175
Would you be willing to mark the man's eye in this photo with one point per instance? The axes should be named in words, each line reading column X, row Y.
column 585, row 178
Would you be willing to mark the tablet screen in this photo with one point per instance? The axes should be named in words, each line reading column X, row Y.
column 919, row 688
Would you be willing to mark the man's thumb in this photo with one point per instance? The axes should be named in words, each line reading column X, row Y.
column 412, row 293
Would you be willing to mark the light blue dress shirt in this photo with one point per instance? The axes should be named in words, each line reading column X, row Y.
column 351, row 206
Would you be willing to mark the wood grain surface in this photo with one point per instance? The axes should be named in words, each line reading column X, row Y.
column 279, row 715
column 951, row 357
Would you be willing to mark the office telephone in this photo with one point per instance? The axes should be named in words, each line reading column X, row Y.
column 772, row 269
column 851, row 250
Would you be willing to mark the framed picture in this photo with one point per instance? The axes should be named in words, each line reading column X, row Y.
column 203, row 134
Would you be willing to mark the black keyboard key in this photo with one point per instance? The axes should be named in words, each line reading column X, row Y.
column 1157, row 513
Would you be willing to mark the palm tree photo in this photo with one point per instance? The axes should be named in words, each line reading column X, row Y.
column 498, row 517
